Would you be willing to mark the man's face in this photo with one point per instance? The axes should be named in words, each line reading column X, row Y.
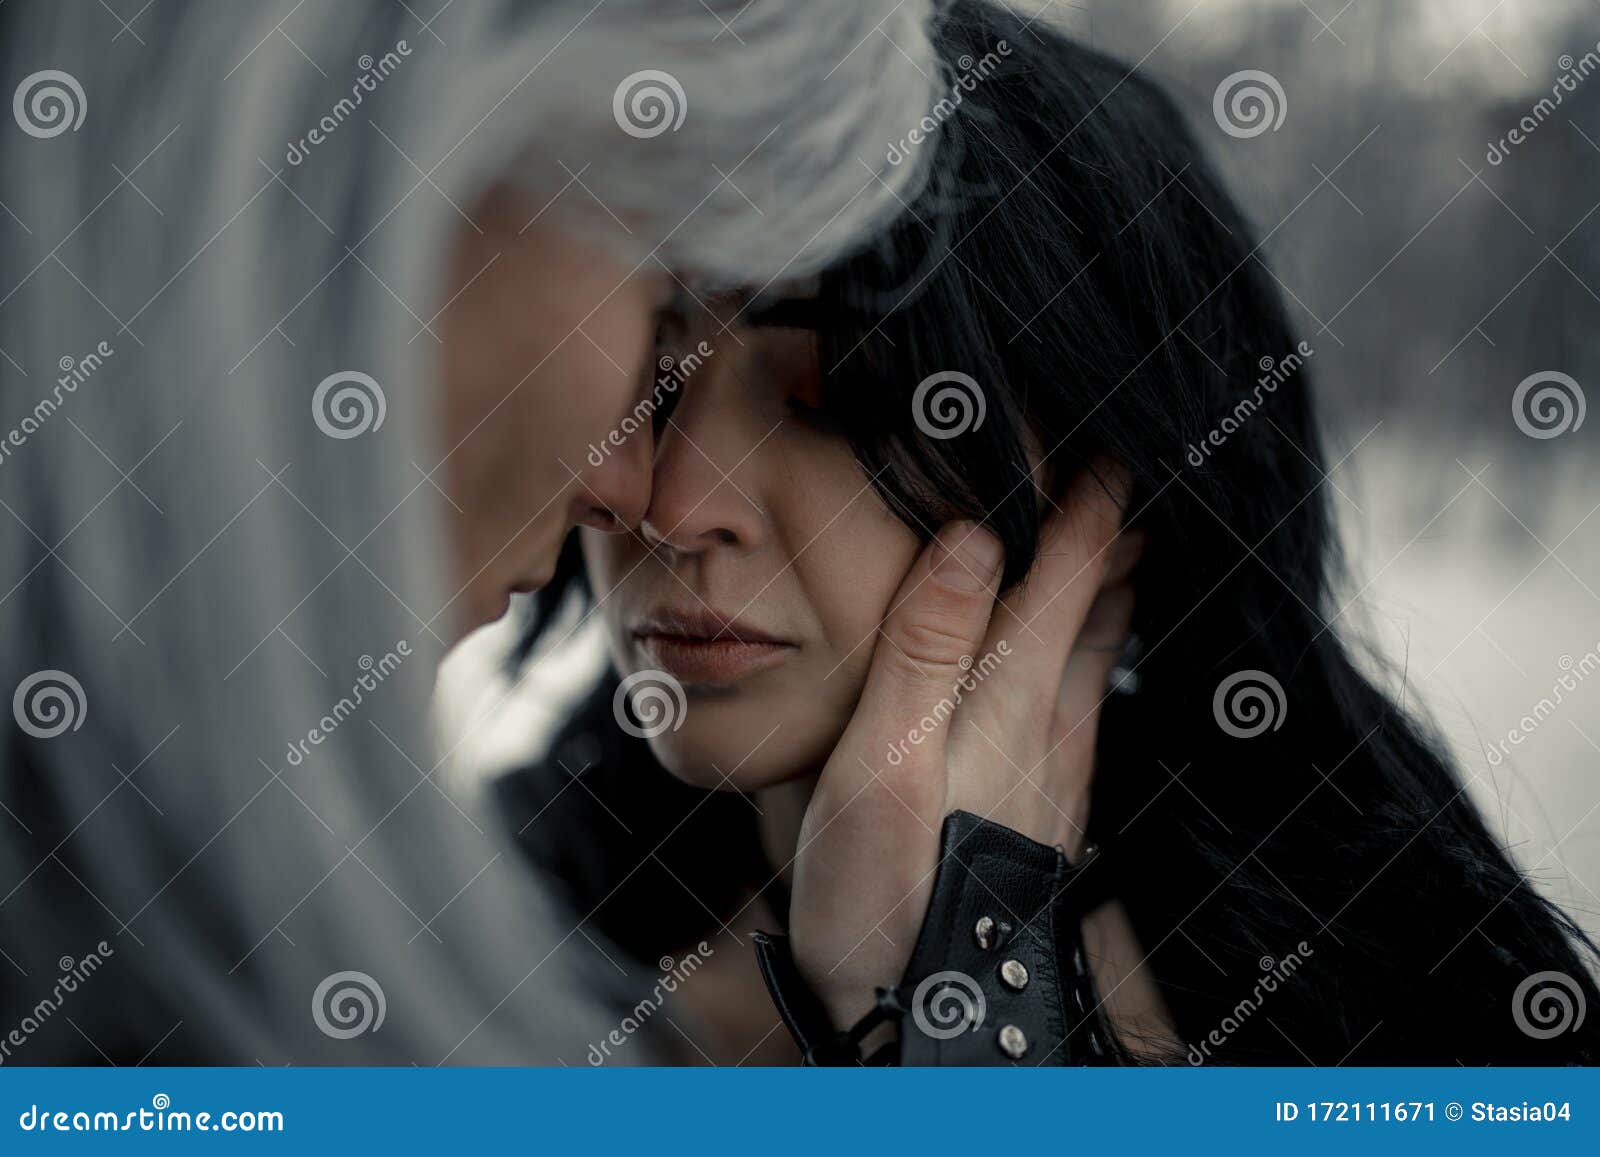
column 548, row 347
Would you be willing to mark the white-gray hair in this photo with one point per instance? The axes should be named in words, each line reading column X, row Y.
column 219, row 584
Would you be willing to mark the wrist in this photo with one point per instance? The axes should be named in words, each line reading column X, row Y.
column 846, row 1006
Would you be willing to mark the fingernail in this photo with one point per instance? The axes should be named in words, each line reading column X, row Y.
column 969, row 557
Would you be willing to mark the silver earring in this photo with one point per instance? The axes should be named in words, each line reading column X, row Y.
column 1124, row 677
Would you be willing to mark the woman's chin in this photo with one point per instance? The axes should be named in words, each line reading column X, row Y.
column 715, row 764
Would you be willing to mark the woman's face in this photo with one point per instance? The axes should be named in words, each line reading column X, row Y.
column 764, row 565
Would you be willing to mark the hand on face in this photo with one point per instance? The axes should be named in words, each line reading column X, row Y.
column 768, row 577
column 971, row 704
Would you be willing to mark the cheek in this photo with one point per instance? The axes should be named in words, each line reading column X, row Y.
column 846, row 556
column 850, row 574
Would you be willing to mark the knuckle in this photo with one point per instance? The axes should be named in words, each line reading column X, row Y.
column 934, row 638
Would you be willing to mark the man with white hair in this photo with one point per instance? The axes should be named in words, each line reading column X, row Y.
column 359, row 290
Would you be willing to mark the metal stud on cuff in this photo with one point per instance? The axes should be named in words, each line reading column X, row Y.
column 1013, row 1042
column 1014, row 974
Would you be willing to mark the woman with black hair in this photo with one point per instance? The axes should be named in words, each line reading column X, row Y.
column 1222, row 842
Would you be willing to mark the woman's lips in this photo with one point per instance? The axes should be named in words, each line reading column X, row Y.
column 699, row 646
column 711, row 660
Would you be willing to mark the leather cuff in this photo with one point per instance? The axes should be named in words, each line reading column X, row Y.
column 998, row 974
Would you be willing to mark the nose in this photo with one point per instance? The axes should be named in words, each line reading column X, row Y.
column 706, row 484
column 614, row 495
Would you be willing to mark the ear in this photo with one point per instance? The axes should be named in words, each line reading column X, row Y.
column 1122, row 556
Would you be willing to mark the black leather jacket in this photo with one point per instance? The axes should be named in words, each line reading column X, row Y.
column 998, row 975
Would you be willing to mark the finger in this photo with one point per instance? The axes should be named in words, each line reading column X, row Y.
column 1085, row 684
column 1040, row 620
column 938, row 617
column 1044, row 792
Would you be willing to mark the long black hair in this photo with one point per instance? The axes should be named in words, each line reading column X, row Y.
column 1300, row 860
